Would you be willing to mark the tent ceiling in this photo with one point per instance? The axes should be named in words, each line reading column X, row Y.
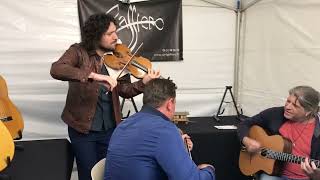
column 224, row 3
column 232, row 4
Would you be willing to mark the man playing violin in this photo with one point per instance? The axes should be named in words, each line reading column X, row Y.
column 92, row 107
column 148, row 146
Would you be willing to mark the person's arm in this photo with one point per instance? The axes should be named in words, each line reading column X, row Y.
column 258, row 119
column 261, row 120
column 67, row 68
column 127, row 89
column 174, row 159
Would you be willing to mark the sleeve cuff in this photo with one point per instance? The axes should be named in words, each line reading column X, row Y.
column 84, row 76
column 211, row 171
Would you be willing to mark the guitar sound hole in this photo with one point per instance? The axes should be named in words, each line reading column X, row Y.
column 264, row 152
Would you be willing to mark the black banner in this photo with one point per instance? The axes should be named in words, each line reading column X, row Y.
column 155, row 23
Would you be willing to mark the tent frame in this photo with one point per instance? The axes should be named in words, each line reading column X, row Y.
column 238, row 10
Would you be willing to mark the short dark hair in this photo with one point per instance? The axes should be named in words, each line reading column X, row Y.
column 94, row 28
column 157, row 91
column 308, row 98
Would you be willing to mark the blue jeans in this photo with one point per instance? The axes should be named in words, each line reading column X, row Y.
column 264, row 176
column 89, row 149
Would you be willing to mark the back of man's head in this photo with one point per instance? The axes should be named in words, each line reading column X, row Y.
column 157, row 91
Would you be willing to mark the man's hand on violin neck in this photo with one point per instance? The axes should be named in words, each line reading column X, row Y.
column 152, row 74
column 105, row 80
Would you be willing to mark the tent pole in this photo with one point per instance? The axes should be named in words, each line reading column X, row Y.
column 237, row 52
column 220, row 4
column 237, row 46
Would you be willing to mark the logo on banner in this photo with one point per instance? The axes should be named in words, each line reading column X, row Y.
column 158, row 24
column 134, row 22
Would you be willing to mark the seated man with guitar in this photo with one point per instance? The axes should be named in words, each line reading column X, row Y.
column 297, row 123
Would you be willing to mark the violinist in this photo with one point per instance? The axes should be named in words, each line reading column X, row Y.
column 92, row 107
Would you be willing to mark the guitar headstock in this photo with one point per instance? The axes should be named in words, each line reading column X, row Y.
column 9, row 114
column 3, row 88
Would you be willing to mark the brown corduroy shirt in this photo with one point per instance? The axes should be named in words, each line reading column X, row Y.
column 74, row 66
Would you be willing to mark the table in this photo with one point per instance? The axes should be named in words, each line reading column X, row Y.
column 50, row 159
column 214, row 146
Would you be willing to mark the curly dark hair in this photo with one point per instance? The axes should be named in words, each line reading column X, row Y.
column 93, row 30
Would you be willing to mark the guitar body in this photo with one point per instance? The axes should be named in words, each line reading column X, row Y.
column 250, row 163
column 6, row 147
column 9, row 114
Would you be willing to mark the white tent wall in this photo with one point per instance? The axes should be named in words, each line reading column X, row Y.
column 33, row 35
column 280, row 49
column 36, row 33
column 208, row 45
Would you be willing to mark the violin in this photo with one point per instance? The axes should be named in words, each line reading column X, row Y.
column 138, row 65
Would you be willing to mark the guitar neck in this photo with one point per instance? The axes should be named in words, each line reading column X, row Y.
column 286, row 157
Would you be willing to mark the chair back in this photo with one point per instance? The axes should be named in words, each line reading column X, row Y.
column 97, row 172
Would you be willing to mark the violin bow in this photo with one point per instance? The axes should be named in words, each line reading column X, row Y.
column 131, row 58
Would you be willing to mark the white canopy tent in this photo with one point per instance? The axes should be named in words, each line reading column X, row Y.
column 259, row 48
column 280, row 49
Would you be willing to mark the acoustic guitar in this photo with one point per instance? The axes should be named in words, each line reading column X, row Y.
column 6, row 147
column 275, row 152
column 9, row 114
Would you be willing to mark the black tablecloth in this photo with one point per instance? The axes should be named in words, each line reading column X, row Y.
column 214, row 146
column 50, row 159
column 53, row 159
